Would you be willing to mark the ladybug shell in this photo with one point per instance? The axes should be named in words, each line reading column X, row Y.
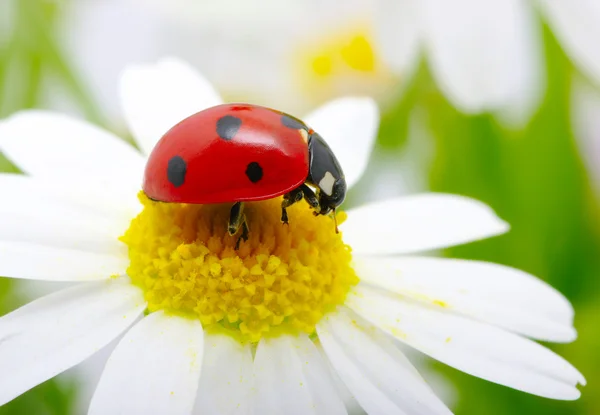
column 228, row 153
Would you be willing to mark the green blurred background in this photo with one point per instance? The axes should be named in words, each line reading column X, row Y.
column 534, row 177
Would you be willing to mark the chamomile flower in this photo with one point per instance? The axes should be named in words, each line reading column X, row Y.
column 488, row 56
column 299, row 319
column 484, row 56
column 295, row 55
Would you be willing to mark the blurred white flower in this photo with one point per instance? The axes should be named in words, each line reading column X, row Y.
column 585, row 109
column 402, row 171
column 576, row 24
column 284, row 54
column 485, row 56
column 488, row 55
column 7, row 17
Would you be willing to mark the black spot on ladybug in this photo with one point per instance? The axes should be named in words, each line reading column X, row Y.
column 176, row 171
column 254, row 172
column 228, row 126
column 292, row 122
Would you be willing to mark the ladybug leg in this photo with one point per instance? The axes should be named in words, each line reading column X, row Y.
column 311, row 198
column 236, row 214
column 288, row 200
column 237, row 219
column 244, row 235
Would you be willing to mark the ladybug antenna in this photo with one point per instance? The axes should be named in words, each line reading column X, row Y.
column 335, row 221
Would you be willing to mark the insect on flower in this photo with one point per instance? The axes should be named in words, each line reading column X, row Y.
column 294, row 320
column 240, row 153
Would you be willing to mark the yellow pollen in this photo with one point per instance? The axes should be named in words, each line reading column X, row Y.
column 282, row 280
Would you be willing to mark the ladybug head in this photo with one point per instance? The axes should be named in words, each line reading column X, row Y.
column 325, row 174
column 329, row 203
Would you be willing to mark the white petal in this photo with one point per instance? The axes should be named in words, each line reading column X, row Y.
column 52, row 145
column 54, row 333
column 376, row 372
column 481, row 52
column 492, row 293
column 38, row 262
column 226, row 380
column 517, row 108
column 103, row 198
column 155, row 369
column 349, row 126
column 350, row 402
column 39, row 218
column 585, row 112
column 54, row 228
column 476, row 348
column 87, row 375
column 291, row 378
column 399, row 32
column 57, row 231
column 577, row 26
column 156, row 97
column 419, row 223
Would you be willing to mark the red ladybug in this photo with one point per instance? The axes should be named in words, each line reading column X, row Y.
column 242, row 152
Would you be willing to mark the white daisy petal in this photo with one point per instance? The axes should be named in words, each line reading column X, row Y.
column 350, row 402
column 492, row 293
column 104, row 198
column 291, row 378
column 484, row 64
column 31, row 214
column 155, row 369
column 156, row 97
column 399, row 34
column 473, row 347
column 577, row 26
column 585, row 113
column 419, row 223
column 51, row 334
column 226, row 379
column 57, row 225
column 381, row 378
column 51, row 145
column 57, row 232
column 529, row 81
column 349, row 126
column 38, row 262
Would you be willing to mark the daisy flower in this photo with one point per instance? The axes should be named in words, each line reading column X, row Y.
column 299, row 319
column 484, row 56
column 321, row 51
column 487, row 56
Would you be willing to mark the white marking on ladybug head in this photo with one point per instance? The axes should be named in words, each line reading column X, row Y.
column 304, row 134
column 326, row 183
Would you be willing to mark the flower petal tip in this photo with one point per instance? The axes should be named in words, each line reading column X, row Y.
column 581, row 380
column 503, row 227
column 569, row 336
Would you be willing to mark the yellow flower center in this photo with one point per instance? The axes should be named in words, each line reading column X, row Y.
column 350, row 52
column 340, row 61
column 282, row 280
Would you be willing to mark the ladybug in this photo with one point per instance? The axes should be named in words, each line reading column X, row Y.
column 241, row 153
